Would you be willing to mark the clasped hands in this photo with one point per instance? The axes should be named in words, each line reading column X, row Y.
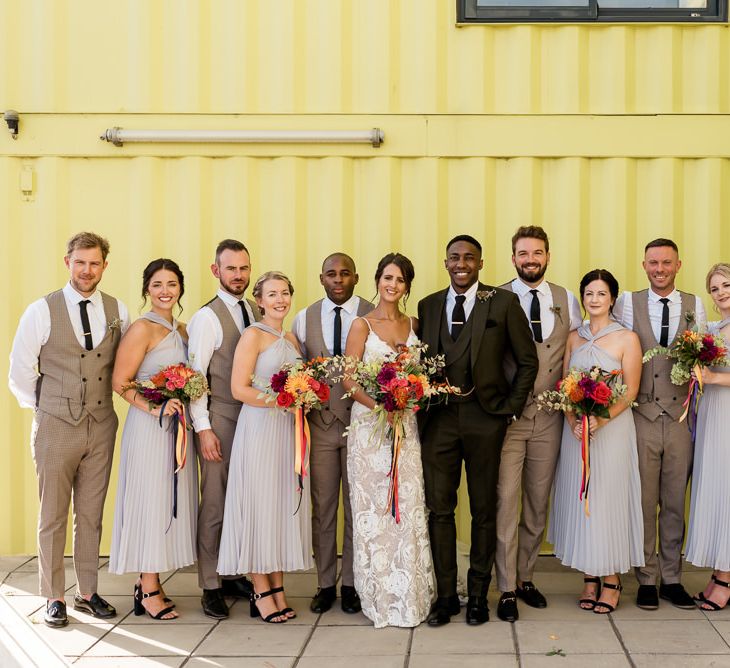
column 594, row 423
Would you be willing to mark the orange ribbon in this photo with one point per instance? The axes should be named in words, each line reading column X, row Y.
column 301, row 447
column 394, row 462
column 585, row 464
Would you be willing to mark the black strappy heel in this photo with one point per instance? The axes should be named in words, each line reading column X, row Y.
column 139, row 609
column 284, row 611
column 608, row 607
column 255, row 612
column 701, row 598
column 589, row 601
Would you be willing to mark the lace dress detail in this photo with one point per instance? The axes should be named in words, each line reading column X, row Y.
column 392, row 563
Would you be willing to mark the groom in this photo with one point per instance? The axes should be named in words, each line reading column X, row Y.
column 475, row 326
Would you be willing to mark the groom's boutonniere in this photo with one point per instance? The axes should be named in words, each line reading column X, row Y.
column 691, row 318
column 483, row 295
column 114, row 323
column 558, row 312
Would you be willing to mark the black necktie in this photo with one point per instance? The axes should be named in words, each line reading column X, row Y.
column 664, row 336
column 337, row 336
column 535, row 317
column 86, row 324
column 458, row 317
column 246, row 319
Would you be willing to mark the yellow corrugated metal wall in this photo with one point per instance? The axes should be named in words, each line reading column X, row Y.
column 607, row 135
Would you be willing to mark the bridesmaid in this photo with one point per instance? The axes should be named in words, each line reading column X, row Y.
column 610, row 540
column 266, row 522
column 708, row 536
column 146, row 538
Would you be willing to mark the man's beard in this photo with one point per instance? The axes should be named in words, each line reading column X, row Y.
column 532, row 275
column 236, row 291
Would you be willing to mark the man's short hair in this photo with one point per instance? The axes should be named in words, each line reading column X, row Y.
column 530, row 232
column 662, row 243
column 231, row 245
column 464, row 237
column 343, row 256
column 84, row 240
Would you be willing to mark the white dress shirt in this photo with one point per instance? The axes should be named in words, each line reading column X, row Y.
column 470, row 295
column 34, row 329
column 623, row 311
column 545, row 297
column 347, row 315
column 205, row 336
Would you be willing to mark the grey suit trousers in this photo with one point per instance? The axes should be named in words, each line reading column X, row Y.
column 72, row 461
column 665, row 465
column 526, row 472
column 213, row 482
column 328, row 466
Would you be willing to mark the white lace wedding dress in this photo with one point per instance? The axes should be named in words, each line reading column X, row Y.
column 392, row 561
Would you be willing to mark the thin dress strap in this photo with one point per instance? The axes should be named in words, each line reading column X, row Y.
column 367, row 322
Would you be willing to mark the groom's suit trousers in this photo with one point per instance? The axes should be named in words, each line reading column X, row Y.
column 456, row 433
column 213, row 482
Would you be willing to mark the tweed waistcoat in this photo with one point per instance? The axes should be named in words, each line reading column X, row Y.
column 550, row 352
column 75, row 382
column 337, row 408
column 657, row 394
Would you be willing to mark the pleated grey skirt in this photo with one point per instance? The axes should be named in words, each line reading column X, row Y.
column 146, row 539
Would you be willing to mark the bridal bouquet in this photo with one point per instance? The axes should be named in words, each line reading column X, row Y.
column 404, row 381
column 177, row 381
column 693, row 351
column 300, row 386
column 586, row 393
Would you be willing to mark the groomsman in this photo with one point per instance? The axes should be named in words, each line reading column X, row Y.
column 61, row 366
column 531, row 446
column 213, row 332
column 657, row 314
column 475, row 326
column 322, row 330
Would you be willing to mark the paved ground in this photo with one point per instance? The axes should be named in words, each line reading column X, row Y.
column 561, row 635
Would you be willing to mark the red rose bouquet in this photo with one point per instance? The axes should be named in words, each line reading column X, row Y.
column 403, row 381
column 300, row 387
column 693, row 351
column 177, row 381
column 585, row 393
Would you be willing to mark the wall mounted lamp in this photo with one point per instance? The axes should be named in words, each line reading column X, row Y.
column 119, row 136
column 12, row 118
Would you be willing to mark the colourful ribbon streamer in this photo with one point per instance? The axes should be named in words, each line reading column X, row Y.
column 302, row 439
column 179, row 429
column 692, row 402
column 585, row 461
column 395, row 450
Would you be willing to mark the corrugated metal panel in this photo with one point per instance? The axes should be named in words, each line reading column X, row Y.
column 319, row 56
column 291, row 212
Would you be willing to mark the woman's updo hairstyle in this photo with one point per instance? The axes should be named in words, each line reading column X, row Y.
column 152, row 268
column 405, row 266
column 600, row 275
column 258, row 288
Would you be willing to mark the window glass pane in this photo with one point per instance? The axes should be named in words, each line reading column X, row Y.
column 534, row 3
column 653, row 4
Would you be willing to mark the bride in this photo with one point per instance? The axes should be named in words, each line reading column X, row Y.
column 392, row 562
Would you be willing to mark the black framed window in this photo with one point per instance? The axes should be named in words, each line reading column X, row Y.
column 511, row 11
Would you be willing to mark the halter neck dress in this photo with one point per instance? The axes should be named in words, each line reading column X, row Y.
column 263, row 531
column 610, row 540
column 392, row 564
column 146, row 538
column 708, row 534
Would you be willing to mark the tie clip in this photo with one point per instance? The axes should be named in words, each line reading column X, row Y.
column 87, row 333
column 535, row 322
column 457, row 322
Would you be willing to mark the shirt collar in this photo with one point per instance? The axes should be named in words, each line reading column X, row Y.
column 470, row 294
column 350, row 306
column 520, row 288
column 229, row 299
column 75, row 298
column 674, row 296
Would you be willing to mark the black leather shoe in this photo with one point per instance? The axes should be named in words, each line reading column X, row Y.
column 55, row 616
column 443, row 610
column 214, row 605
column 531, row 595
column 96, row 606
column 323, row 599
column 646, row 597
column 238, row 588
column 350, row 600
column 677, row 595
column 507, row 607
column 477, row 610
